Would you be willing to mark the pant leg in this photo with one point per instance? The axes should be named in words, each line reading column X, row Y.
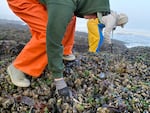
column 33, row 58
column 93, row 34
column 61, row 13
column 68, row 40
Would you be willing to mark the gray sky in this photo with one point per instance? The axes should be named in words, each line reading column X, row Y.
column 137, row 11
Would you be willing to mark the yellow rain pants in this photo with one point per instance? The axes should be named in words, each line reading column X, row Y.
column 32, row 60
column 93, row 34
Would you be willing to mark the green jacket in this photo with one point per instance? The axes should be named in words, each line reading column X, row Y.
column 60, row 13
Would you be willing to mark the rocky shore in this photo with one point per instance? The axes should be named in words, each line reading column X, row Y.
column 115, row 80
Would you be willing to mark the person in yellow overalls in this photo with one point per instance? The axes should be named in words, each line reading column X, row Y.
column 94, row 36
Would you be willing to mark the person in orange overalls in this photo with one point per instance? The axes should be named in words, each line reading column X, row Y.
column 32, row 60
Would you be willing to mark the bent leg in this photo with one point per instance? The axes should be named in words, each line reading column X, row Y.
column 55, row 32
column 32, row 59
column 68, row 39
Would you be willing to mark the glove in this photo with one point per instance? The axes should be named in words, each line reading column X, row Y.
column 65, row 92
column 62, row 88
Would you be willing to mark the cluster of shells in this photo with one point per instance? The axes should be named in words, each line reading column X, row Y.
column 100, row 83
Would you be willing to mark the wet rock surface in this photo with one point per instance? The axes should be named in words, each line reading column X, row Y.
column 115, row 81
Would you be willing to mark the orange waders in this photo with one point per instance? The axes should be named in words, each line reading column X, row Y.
column 33, row 58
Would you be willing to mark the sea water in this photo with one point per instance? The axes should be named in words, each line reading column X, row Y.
column 133, row 39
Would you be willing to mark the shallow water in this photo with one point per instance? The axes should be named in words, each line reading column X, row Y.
column 132, row 40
